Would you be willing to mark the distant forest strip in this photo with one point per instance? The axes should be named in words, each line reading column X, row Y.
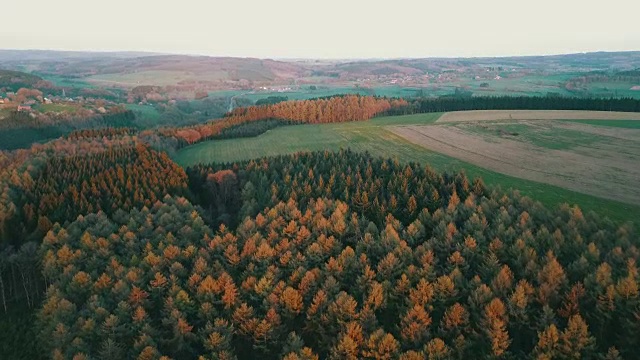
column 445, row 104
column 251, row 129
column 20, row 131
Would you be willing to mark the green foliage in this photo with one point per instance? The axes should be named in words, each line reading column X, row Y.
column 14, row 80
column 251, row 129
column 625, row 124
column 462, row 100
column 19, row 130
column 272, row 100
column 18, row 335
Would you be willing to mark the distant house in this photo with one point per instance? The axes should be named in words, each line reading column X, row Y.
column 25, row 108
column 498, row 77
column 1, row 101
column 47, row 101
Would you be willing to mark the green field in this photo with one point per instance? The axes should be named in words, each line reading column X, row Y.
column 613, row 89
column 547, row 137
column 372, row 136
column 57, row 108
column 67, row 81
column 304, row 92
column 147, row 111
column 625, row 124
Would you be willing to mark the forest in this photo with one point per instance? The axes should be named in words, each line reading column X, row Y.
column 460, row 103
column 19, row 130
column 352, row 257
column 328, row 110
column 120, row 253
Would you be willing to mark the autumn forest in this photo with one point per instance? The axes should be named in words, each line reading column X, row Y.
column 117, row 252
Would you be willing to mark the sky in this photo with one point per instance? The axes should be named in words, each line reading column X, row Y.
column 336, row 29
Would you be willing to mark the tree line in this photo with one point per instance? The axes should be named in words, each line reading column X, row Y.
column 461, row 103
column 335, row 109
column 20, row 130
column 116, row 178
column 251, row 129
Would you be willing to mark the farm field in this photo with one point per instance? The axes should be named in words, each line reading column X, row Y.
column 626, row 124
column 493, row 115
column 153, row 77
column 613, row 89
column 378, row 138
column 602, row 162
column 585, row 156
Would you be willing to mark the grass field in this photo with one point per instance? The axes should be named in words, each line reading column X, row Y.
column 374, row 136
column 625, row 124
column 57, row 108
column 304, row 92
column 67, row 81
column 613, row 89
column 147, row 111
column 154, row 77
column 597, row 160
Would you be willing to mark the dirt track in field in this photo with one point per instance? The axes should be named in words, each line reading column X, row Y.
column 493, row 115
column 608, row 169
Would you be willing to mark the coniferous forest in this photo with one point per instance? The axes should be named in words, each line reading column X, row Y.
column 119, row 253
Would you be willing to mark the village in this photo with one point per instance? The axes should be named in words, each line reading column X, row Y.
column 34, row 103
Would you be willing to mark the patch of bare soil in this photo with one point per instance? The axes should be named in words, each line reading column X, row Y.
column 493, row 115
column 608, row 170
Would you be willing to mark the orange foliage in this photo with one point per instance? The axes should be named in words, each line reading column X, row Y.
column 333, row 110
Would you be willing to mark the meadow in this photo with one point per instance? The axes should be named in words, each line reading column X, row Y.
column 625, row 124
column 374, row 136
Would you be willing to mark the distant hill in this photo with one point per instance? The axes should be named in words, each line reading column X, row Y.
column 127, row 69
column 14, row 80
column 49, row 55
column 131, row 69
column 578, row 62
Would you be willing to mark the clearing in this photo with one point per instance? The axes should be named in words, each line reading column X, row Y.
column 380, row 138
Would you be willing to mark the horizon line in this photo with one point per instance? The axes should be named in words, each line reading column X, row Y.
column 294, row 58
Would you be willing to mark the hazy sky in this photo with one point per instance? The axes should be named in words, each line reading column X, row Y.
column 324, row 28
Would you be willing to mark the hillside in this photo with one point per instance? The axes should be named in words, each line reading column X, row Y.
column 220, row 73
column 108, row 69
column 13, row 80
